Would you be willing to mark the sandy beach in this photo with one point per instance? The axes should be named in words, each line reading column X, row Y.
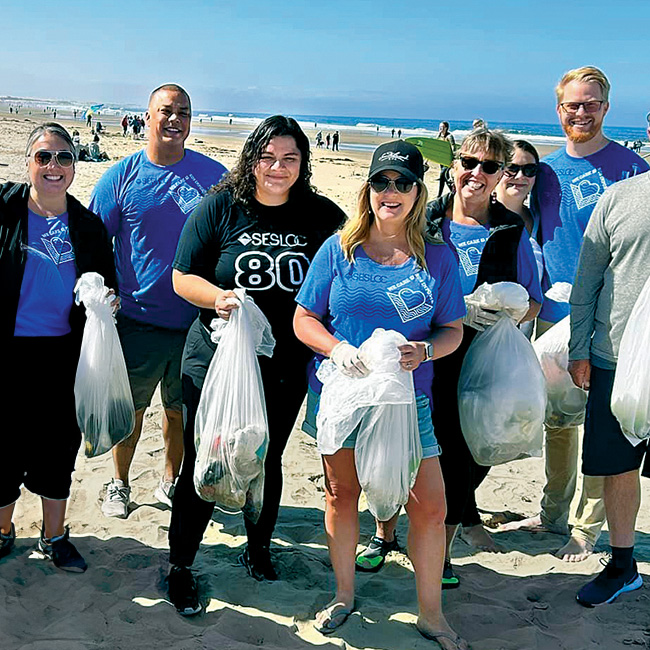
column 520, row 599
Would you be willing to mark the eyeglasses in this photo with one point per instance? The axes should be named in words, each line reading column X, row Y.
column 488, row 166
column 43, row 157
column 402, row 184
column 590, row 107
column 529, row 170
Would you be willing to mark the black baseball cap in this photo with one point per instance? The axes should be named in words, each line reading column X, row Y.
column 398, row 156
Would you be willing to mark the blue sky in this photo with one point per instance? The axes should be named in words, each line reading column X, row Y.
column 451, row 60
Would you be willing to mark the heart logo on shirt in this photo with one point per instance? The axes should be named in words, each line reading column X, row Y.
column 412, row 299
column 587, row 188
column 60, row 250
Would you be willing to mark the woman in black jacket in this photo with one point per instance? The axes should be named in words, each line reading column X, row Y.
column 47, row 240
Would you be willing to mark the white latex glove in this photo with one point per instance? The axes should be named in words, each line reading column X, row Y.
column 477, row 317
column 346, row 358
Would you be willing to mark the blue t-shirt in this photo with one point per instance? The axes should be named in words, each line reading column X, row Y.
column 144, row 207
column 564, row 197
column 355, row 299
column 468, row 241
column 47, row 290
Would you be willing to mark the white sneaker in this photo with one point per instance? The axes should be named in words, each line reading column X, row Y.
column 116, row 501
column 165, row 492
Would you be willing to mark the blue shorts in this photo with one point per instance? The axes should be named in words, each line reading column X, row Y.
column 430, row 446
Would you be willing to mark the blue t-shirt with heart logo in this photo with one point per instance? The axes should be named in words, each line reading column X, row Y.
column 144, row 207
column 47, row 290
column 565, row 194
column 468, row 242
column 355, row 299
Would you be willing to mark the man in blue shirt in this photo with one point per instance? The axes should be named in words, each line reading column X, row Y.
column 144, row 202
column 569, row 183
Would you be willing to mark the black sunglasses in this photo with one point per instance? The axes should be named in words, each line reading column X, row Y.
column 43, row 157
column 402, row 184
column 488, row 166
column 529, row 170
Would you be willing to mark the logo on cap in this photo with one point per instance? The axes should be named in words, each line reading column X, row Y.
column 393, row 155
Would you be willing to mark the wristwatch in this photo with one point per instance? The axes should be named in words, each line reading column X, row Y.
column 428, row 350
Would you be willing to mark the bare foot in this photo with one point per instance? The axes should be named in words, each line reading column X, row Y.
column 441, row 633
column 530, row 524
column 478, row 537
column 575, row 550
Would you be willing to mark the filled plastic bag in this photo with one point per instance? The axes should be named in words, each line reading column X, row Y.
column 105, row 411
column 231, row 432
column 381, row 409
column 501, row 389
column 566, row 402
column 630, row 401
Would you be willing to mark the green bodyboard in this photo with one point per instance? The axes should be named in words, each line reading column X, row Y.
column 437, row 151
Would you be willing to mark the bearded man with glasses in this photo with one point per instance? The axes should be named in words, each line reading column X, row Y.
column 569, row 183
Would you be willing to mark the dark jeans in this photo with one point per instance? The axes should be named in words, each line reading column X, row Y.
column 461, row 473
column 285, row 385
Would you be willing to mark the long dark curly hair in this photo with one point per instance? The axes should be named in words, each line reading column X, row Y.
column 240, row 181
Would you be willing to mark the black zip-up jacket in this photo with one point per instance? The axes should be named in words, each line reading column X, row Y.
column 92, row 248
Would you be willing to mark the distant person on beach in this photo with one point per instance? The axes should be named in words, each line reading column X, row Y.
column 47, row 240
column 399, row 133
column 341, row 302
column 89, row 119
column 125, row 125
column 612, row 271
column 94, row 152
column 335, row 141
column 467, row 220
column 392, row 133
column 319, row 139
column 248, row 233
column 513, row 191
column 327, row 140
column 569, row 183
column 647, row 129
column 144, row 201
column 445, row 134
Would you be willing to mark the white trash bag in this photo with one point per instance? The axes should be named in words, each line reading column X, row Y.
column 231, row 429
column 381, row 409
column 105, row 412
column 630, row 401
column 566, row 402
column 501, row 389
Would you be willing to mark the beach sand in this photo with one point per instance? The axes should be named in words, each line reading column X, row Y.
column 521, row 599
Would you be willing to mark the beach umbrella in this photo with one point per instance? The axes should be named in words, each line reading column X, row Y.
column 433, row 149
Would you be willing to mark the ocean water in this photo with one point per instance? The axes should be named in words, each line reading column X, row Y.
column 541, row 134
column 538, row 134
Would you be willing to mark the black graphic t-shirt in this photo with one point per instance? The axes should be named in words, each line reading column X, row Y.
column 265, row 250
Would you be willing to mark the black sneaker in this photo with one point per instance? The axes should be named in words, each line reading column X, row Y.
column 609, row 584
column 372, row 558
column 258, row 564
column 449, row 579
column 7, row 542
column 62, row 552
column 183, row 591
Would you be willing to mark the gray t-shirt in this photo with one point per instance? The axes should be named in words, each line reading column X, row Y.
column 613, row 267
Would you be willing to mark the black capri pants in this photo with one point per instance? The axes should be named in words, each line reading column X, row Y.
column 40, row 439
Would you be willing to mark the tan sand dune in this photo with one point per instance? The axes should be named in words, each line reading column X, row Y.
column 521, row 599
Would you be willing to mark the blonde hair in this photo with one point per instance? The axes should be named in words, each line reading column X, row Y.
column 587, row 74
column 356, row 230
column 494, row 143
